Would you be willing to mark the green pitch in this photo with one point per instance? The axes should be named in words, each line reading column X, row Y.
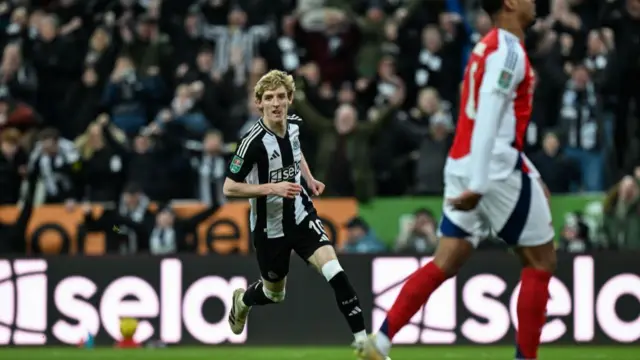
column 323, row 353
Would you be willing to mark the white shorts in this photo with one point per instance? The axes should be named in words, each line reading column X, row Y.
column 514, row 209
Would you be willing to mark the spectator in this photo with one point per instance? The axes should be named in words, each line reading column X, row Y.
column 169, row 235
column 210, row 170
column 433, row 149
column 575, row 235
column 581, row 119
column 101, row 55
column 419, row 234
column 361, row 239
column 558, row 172
column 13, row 236
column 622, row 213
column 126, row 93
column 57, row 162
column 17, row 114
column 102, row 163
column 19, row 78
column 184, row 113
column 126, row 226
column 13, row 166
column 342, row 158
column 58, row 65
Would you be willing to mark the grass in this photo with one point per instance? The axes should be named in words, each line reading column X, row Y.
column 318, row 353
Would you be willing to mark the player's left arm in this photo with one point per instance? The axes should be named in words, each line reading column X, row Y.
column 501, row 77
column 317, row 187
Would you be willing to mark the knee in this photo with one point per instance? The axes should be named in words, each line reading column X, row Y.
column 275, row 296
column 330, row 269
column 546, row 263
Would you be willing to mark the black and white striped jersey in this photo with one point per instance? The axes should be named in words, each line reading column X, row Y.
column 263, row 157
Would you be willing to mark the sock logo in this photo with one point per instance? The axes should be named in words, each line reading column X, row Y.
column 355, row 311
column 23, row 294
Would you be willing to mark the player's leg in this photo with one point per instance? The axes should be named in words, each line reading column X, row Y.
column 314, row 247
column 273, row 260
column 528, row 227
column 459, row 234
column 539, row 263
column 324, row 259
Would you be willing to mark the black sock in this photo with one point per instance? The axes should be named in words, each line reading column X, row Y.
column 348, row 302
column 255, row 296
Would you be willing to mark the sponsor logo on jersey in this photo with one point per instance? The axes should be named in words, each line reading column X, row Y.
column 285, row 174
column 236, row 164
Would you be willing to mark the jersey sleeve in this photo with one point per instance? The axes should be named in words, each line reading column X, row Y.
column 501, row 77
column 244, row 158
column 503, row 71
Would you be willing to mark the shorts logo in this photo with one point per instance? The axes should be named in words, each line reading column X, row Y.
column 236, row 164
column 23, row 290
column 272, row 275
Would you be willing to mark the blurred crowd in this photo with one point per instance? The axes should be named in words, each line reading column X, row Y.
column 101, row 99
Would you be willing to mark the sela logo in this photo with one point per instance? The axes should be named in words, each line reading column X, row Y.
column 23, row 309
column 586, row 307
column 285, row 173
column 84, row 308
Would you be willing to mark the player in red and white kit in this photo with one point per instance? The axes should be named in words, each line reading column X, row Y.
column 490, row 186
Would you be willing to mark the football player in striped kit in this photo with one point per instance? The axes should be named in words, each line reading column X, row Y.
column 269, row 168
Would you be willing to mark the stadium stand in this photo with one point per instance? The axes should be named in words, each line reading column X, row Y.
column 132, row 103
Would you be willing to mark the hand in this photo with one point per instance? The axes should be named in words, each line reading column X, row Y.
column 86, row 208
column 362, row 84
column 286, row 189
column 70, row 205
column 165, row 116
column 317, row 187
column 153, row 70
column 182, row 70
column 110, row 18
column 467, row 201
column 103, row 120
column 401, row 14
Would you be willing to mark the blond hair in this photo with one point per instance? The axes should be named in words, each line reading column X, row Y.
column 82, row 141
column 273, row 80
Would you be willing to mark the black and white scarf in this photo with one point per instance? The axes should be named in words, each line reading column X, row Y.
column 428, row 64
column 136, row 215
column 163, row 241
column 580, row 117
column 211, row 174
column 54, row 181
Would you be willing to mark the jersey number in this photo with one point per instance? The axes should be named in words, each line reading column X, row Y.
column 317, row 226
column 470, row 108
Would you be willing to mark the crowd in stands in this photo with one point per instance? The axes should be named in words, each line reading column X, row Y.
column 132, row 101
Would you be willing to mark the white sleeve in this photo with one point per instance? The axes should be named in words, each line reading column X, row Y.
column 500, row 78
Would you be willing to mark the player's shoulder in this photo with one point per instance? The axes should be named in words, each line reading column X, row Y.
column 499, row 44
column 251, row 139
column 294, row 118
